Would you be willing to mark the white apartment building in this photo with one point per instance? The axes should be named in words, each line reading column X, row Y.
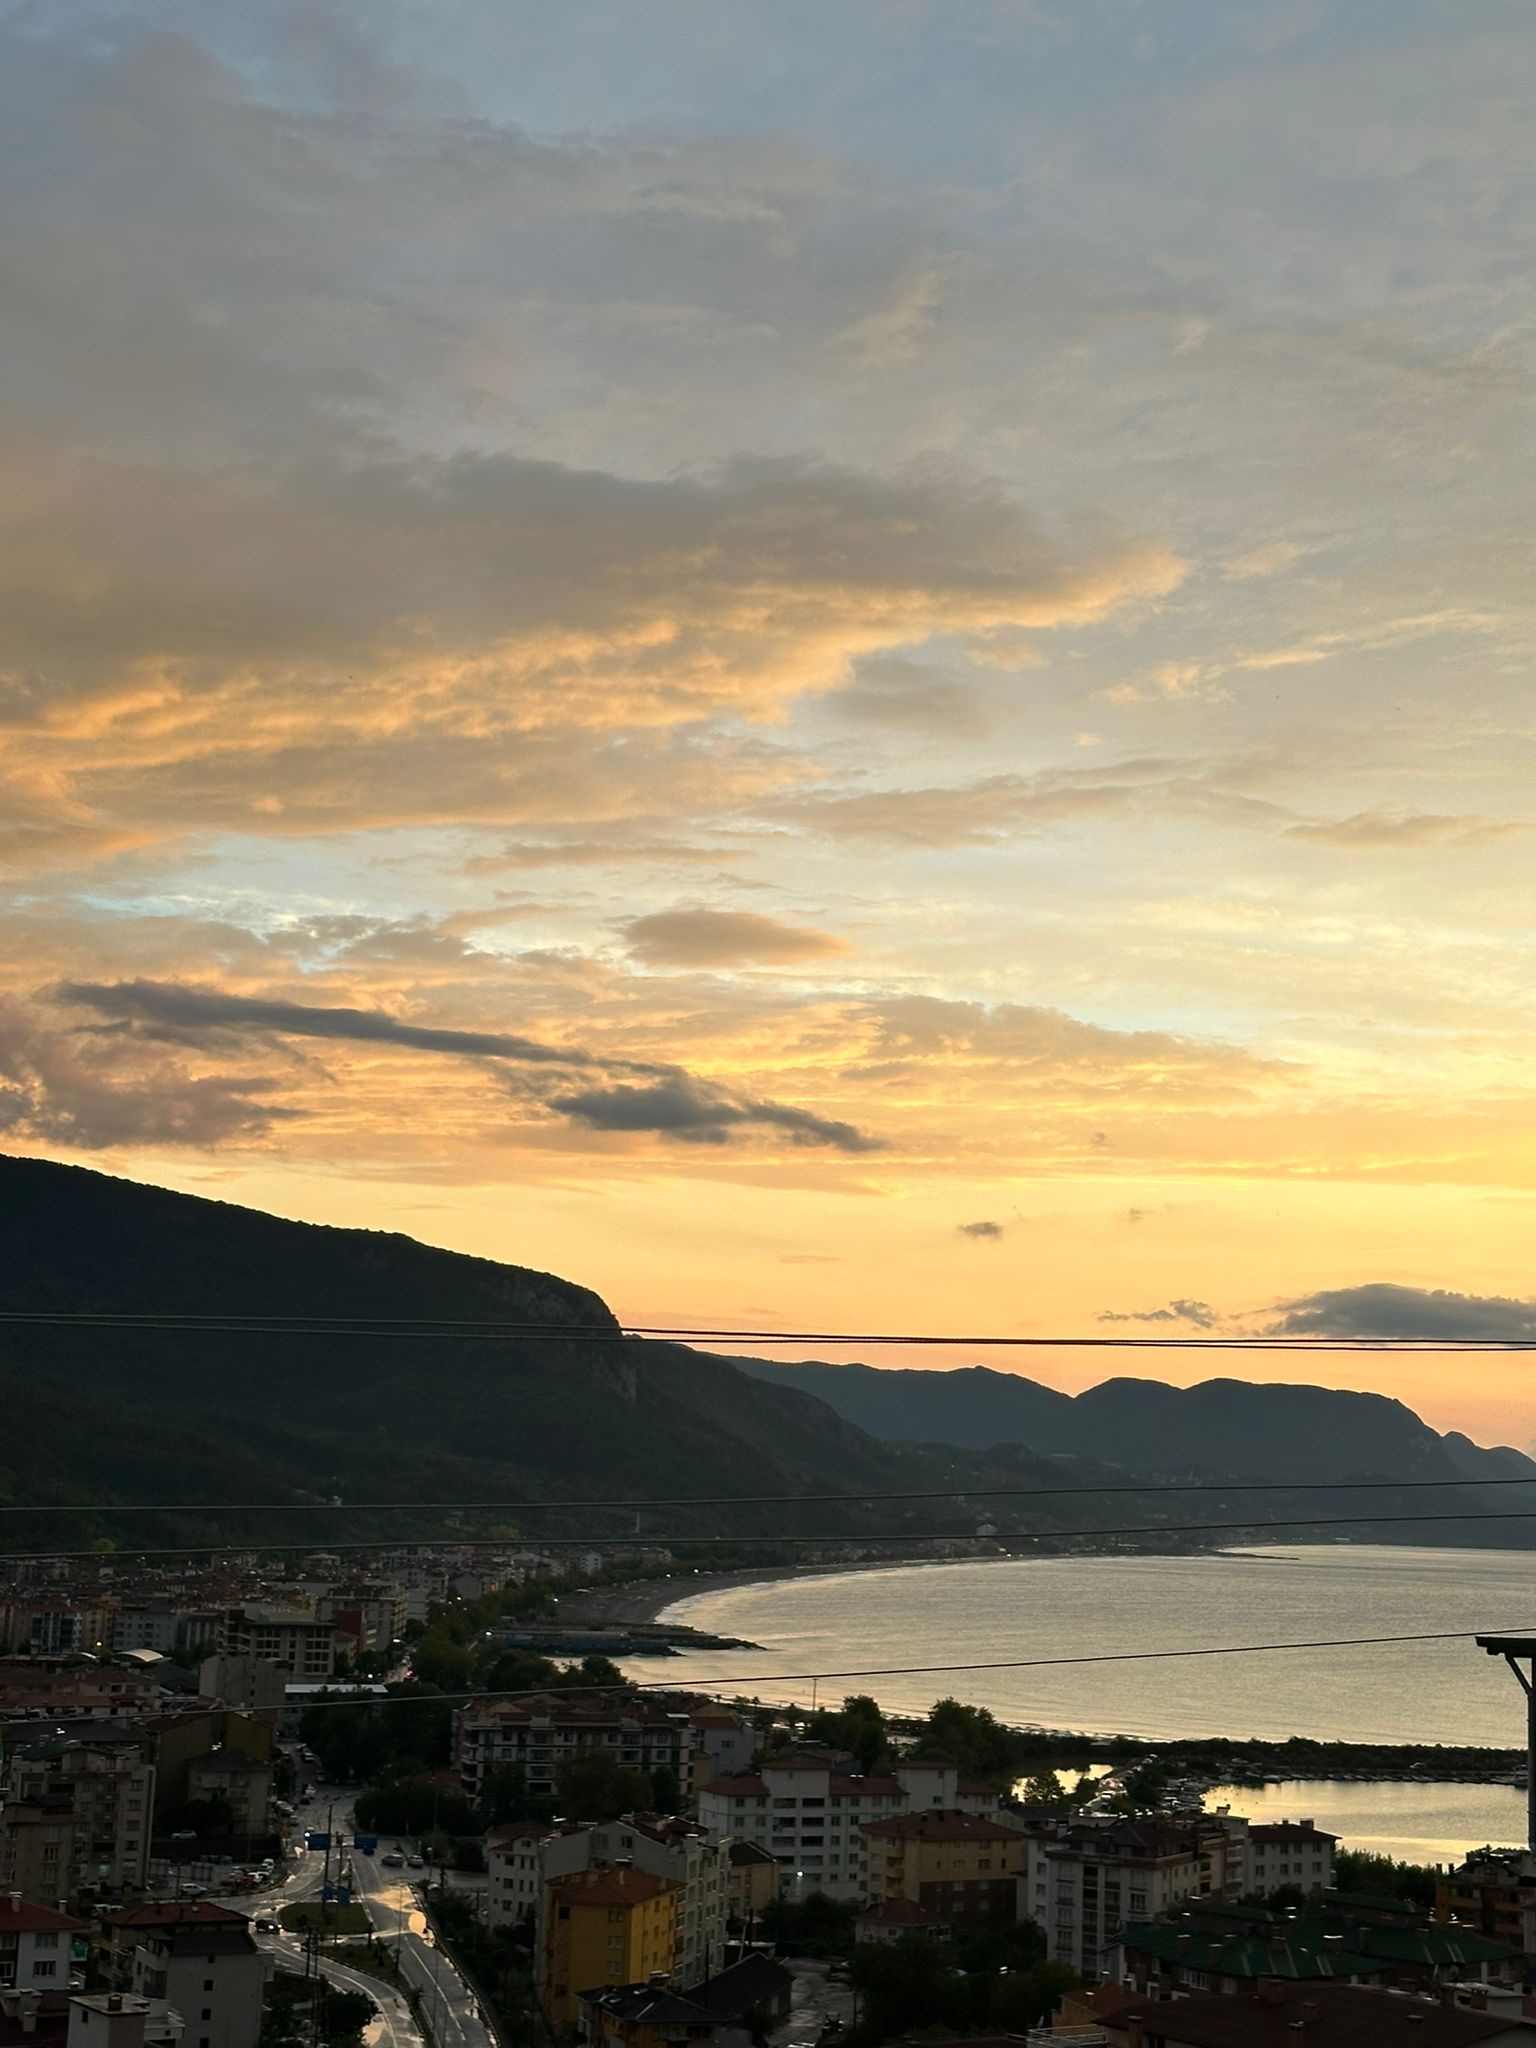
column 202, row 1960
column 304, row 1646
column 723, row 1744
column 514, row 1877
column 537, row 1735
column 1084, row 1881
column 36, row 1946
column 809, row 1813
column 1288, row 1852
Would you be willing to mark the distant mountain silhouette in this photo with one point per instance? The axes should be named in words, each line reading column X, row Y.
column 1219, row 1429
column 155, row 1413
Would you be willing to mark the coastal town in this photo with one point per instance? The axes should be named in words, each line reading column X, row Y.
column 247, row 1800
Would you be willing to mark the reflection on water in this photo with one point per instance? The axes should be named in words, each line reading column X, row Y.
column 1419, row 1823
column 869, row 1628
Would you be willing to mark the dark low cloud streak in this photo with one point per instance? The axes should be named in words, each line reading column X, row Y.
column 1379, row 1308
column 673, row 1103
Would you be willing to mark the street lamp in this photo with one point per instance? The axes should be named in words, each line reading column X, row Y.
column 1512, row 1649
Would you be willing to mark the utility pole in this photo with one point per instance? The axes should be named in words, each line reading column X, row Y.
column 1512, row 1649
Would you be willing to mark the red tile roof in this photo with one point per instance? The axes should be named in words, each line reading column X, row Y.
column 737, row 1788
column 1331, row 2016
column 609, row 1886
column 25, row 1919
column 179, row 1913
column 941, row 1826
column 900, row 1913
column 1287, row 1831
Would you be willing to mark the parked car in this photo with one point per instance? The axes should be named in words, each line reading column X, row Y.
column 393, row 1860
column 415, row 1862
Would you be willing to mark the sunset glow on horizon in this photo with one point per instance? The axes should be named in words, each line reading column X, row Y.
column 859, row 668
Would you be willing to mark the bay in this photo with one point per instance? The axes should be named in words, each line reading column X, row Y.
column 876, row 1625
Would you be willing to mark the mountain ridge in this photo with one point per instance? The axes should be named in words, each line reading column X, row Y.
column 151, row 1415
column 1264, row 1429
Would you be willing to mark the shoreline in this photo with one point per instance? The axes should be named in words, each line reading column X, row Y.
column 641, row 1600
column 1333, row 1759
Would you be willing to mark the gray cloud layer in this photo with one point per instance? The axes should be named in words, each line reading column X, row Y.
column 1380, row 1309
column 675, row 1103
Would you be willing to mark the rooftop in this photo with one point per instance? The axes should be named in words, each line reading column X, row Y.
column 17, row 1917
column 609, row 1885
column 179, row 1913
column 1329, row 2016
column 940, row 1825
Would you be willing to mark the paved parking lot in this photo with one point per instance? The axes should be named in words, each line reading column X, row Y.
column 817, row 1998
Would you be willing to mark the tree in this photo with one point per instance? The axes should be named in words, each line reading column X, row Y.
column 592, row 1784
column 971, row 1738
column 666, row 1789
column 440, row 1660
column 1046, row 1790
column 859, row 1727
column 1360, row 1870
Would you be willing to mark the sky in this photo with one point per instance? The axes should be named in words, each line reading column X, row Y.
column 857, row 667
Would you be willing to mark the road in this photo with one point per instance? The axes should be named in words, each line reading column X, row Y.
column 390, row 1897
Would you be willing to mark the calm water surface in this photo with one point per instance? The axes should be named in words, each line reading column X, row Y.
column 878, row 1622
column 979, row 1613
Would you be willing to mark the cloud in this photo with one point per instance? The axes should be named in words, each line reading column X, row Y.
column 1409, row 831
column 984, row 1229
column 912, row 696
column 194, row 1013
column 703, row 1115
column 725, row 938
column 1382, row 1309
column 586, row 853
column 377, row 634
column 1198, row 1314
column 997, row 808
column 59, row 1090
column 675, row 1103
column 1267, row 560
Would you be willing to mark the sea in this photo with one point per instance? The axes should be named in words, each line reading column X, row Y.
column 1011, row 1632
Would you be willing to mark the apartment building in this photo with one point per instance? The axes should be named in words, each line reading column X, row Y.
column 1084, row 1881
column 241, row 1783
column 1494, row 1891
column 36, row 1946
column 809, row 1812
column 171, row 1630
column 374, row 1615
column 76, row 1817
column 605, row 1927
column 957, row 1866
column 683, row 1851
column 536, row 1735
column 723, row 1744
column 302, row 1645
column 514, row 1871
column 1288, row 1852
column 200, row 1958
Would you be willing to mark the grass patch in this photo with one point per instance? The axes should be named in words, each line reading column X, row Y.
column 374, row 1959
column 307, row 1916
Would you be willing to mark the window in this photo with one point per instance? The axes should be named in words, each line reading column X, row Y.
column 207, row 1983
column 44, row 1969
column 45, row 1941
column 207, row 2012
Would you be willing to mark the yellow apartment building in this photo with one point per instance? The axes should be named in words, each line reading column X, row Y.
column 608, row 1925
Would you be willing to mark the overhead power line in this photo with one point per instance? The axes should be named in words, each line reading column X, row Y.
column 747, row 1500
column 735, row 1683
column 796, row 1541
column 390, row 1327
